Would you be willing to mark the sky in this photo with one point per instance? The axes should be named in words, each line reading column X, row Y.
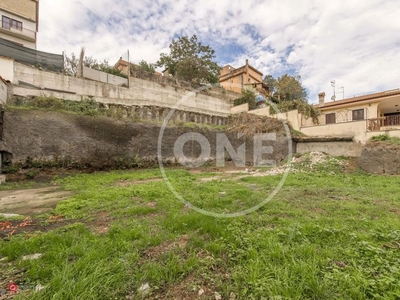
column 355, row 43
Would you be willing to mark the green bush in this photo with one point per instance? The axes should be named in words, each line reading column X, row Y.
column 381, row 137
column 248, row 96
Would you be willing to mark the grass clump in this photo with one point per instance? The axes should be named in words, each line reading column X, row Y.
column 87, row 106
column 386, row 139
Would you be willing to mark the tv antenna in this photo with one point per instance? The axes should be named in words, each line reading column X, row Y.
column 333, row 83
column 342, row 88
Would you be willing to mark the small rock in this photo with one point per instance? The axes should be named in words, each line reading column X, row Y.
column 201, row 292
column 217, row 296
column 183, row 241
column 222, row 194
column 144, row 288
column 232, row 296
column 39, row 287
column 32, row 256
column 4, row 259
column 9, row 215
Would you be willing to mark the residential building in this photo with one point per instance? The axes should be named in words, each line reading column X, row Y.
column 122, row 65
column 235, row 79
column 20, row 21
column 359, row 117
column 381, row 110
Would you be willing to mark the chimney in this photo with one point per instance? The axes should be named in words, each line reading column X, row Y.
column 247, row 61
column 321, row 97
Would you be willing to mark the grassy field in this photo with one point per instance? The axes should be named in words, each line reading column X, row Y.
column 328, row 234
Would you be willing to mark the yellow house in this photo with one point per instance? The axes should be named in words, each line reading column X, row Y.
column 235, row 79
column 361, row 117
column 357, row 117
column 20, row 21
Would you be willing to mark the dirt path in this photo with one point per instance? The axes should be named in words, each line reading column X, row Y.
column 31, row 201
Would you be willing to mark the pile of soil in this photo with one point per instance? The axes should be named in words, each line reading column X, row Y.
column 379, row 157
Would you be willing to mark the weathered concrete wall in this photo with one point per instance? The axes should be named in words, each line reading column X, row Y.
column 391, row 133
column 140, row 93
column 7, row 68
column 240, row 108
column 338, row 148
column 380, row 158
column 103, row 142
column 103, row 76
column 3, row 92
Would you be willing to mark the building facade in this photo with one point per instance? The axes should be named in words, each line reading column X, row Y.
column 235, row 79
column 20, row 21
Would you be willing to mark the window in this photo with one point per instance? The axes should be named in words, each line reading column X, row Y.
column 9, row 23
column 330, row 118
column 358, row 114
column 6, row 22
column 16, row 24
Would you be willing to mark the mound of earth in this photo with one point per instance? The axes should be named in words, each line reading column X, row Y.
column 380, row 158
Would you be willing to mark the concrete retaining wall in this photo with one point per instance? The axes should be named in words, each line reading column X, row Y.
column 336, row 148
column 103, row 77
column 3, row 92
column 140, row 92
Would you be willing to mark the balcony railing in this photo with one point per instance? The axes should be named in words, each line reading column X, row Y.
column 24, row 33
column 392, row 120
column 376, row 123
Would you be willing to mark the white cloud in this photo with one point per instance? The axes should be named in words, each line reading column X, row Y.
column 356, row 43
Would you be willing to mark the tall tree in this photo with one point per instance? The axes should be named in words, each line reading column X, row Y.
column 288, row 93
column 290, row 88
column 270, row 81
column 190, row 60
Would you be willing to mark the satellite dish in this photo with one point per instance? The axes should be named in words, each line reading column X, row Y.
column 333, row 97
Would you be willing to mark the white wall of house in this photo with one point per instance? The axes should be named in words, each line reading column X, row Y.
column 28, row 30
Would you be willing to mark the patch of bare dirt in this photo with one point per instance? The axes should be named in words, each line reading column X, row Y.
column 30, row 227
column 102, row 222
column 135, row 182
column 31, row 201
column 189, row 288
column 154, row 252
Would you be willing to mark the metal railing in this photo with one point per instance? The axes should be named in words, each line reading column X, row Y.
column 392, row 120
column 25, row 32
column 375, row 124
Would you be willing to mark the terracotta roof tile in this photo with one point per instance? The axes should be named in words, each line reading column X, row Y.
column 360, row 98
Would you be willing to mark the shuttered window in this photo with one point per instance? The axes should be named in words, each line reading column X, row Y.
column 330, row 118
column 358, row 114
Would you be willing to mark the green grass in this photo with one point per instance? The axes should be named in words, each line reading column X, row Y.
column 326, row 235
column 386, row 139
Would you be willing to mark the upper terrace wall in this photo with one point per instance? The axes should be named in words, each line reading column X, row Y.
column 31, row 81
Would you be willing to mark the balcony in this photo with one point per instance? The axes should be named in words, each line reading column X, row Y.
column 384, row 123
column 26, row 34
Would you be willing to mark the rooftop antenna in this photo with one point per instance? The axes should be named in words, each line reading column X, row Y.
column 334, row 91
column 342, row 88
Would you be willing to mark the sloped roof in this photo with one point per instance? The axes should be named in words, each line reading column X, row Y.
column 360, row 98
